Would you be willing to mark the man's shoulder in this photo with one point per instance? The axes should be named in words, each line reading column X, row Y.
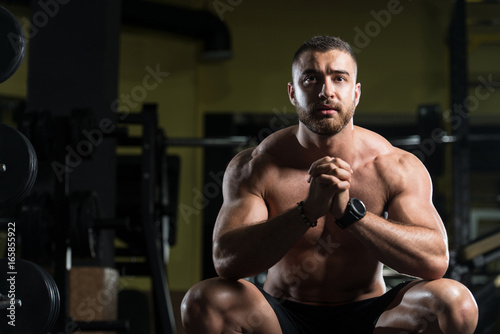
column 387, row 158
column 266, row 156
column 273, row 146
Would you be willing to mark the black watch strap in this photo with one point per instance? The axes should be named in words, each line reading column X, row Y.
column 354, row 211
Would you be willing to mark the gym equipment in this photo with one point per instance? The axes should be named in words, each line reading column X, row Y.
column 476, row 250
column 35, row 227
column 85, row 224
column 233, row 141
column 12, row 44
column 488, row 302
column 18, row 166
column 38, row 127
column 29, row 298
column 154, row 201
column 84, row 211
column 18, row 163
column 147, row 222
column 474, row 255
column 471, row 258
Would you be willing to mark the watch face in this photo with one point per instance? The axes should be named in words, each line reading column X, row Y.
column 358, row 206
column 355, row 211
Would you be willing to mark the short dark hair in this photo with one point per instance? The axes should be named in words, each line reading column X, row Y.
column 323, row 44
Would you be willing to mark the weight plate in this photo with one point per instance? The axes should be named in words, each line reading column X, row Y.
column 84, row 210
column 12, row 44
column 54, row 306
column 38, row 294
column 18, row 166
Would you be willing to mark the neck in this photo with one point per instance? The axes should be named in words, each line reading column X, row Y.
column 339, row 145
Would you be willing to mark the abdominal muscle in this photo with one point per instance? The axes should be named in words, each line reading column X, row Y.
column 326, row 273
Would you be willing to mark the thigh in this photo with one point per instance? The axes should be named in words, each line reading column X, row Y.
column 232, row 305
column 429, row 307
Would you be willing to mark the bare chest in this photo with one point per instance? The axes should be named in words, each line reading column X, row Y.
column 291, row 187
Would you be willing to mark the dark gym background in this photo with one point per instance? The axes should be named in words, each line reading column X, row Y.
column 219, row 68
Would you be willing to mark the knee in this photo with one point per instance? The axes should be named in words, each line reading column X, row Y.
column 456, row 305
column 196, row 302
column 207, row 301
column 192, row 303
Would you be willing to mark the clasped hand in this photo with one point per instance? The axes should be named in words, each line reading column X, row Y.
column 330, row 180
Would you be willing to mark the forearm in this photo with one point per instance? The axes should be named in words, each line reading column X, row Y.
column 250, row 250
column 412, row 250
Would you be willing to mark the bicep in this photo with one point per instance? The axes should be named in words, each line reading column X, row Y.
column 411, row 201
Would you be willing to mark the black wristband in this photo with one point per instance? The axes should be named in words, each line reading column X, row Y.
column 300, row 206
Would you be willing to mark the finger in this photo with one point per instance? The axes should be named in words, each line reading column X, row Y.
column 321, row 161
column 342, row 164
column 329, row 161
column 332, row 181
column 340, row 174
column 331, row 169
column 322, row 167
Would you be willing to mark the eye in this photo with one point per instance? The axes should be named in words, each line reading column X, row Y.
column 310, row 79
column 340, row 78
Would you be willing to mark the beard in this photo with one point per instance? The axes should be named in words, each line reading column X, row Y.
column 326, row 125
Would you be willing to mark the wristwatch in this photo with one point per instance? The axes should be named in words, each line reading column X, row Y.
column 354, row 211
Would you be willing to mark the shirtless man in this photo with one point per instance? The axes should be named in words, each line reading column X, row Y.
column 295, row 206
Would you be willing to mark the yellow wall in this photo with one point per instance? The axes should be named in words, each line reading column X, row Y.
column 176, row 98
column 403, row 65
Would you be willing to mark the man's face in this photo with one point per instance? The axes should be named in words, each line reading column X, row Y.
column 324, row 90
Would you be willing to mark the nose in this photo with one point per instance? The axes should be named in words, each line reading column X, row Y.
column 327, row 91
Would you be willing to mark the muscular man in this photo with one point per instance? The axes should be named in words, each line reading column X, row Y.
column 295, row 206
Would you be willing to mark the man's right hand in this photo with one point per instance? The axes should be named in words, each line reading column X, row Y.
column 330, row 180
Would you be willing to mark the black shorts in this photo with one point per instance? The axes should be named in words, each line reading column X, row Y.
column 358, row 317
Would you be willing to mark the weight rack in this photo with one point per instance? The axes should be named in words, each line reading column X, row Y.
column 75, row 217
column 153, row 165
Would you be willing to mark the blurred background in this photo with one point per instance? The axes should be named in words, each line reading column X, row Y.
column 207, row 78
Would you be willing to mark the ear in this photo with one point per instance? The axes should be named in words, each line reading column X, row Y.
column 291, row 93
column 357, row 93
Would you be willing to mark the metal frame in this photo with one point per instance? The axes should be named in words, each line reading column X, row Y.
column 151, row 143
column 164, row 315
column 461, row 146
